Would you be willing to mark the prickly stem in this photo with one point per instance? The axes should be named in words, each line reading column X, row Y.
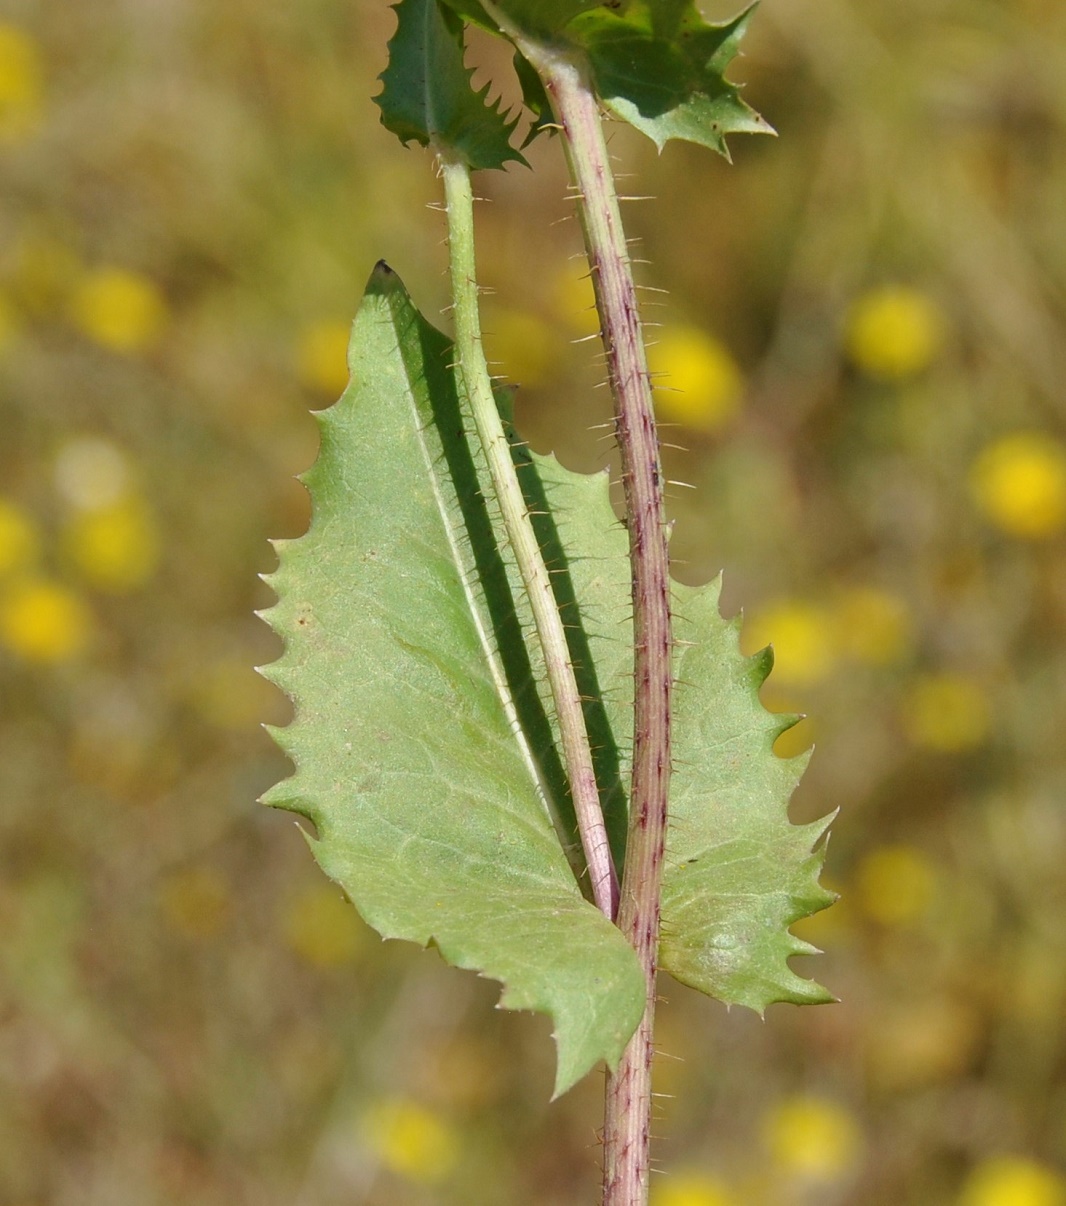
column 628, row 1100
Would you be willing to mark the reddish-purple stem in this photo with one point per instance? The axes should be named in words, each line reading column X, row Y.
column 628, row 1102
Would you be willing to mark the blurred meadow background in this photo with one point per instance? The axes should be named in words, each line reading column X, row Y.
column 863, row 327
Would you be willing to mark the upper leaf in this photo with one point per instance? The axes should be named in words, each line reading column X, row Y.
column 413, row 753
column 428, row 93
column 659, row 66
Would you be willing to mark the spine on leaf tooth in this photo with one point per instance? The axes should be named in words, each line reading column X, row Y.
column 568, row 85
column 474, row 375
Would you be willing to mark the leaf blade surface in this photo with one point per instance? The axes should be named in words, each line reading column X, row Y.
column 408, row 759
column 738, row 873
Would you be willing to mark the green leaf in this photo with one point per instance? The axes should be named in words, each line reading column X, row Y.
column 535, row 18
column 738, row 872
column 662, row 17
column 659, row 66
column 411, row 748
column 428, row 94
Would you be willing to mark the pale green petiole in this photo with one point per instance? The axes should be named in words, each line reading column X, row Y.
column 475, row 378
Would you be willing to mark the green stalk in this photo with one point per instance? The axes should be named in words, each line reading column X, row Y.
column 627, row 1113
column 474, row 373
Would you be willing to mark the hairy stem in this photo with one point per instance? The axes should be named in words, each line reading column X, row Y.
column 627, row 1118
column 478, row 385
column 628, row 1103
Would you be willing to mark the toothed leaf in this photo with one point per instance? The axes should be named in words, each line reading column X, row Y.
column 411, row 749
column 428, row 94
column 738, row 872
column 659, row 66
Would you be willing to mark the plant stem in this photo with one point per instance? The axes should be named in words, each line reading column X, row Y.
column 628, row 1103
column 474, row 373
column 627, row 1116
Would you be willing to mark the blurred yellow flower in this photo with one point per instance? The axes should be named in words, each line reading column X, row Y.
column 691, row 1189
column 122, row 311
column 195, row 901
column 895, row 884
column 872, row 625
column 21, row 84
column 522, row 347
column 921, row 1041
column 43, row 621
column 1013, row 1181
column 802, row 636
column 90, row 473
column 465, row 1074
column 894, row 332
column 946, row 712
column 116, row 548
column 323, row 928
column 697, row 381
column 322, row 357
column 575, row 299
column 1019, row 482
column 812, row 1137
column 411, row 1140
column 19, row 541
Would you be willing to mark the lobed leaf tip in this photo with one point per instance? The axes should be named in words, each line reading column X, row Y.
column 762, row 663
column 784, row 722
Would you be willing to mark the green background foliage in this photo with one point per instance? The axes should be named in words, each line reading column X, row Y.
column 189, row 1013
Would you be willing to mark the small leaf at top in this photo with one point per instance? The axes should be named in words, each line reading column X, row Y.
column 428, row 95
column 659, row 66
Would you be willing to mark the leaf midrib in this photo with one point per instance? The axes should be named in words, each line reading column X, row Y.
column 451, row 531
